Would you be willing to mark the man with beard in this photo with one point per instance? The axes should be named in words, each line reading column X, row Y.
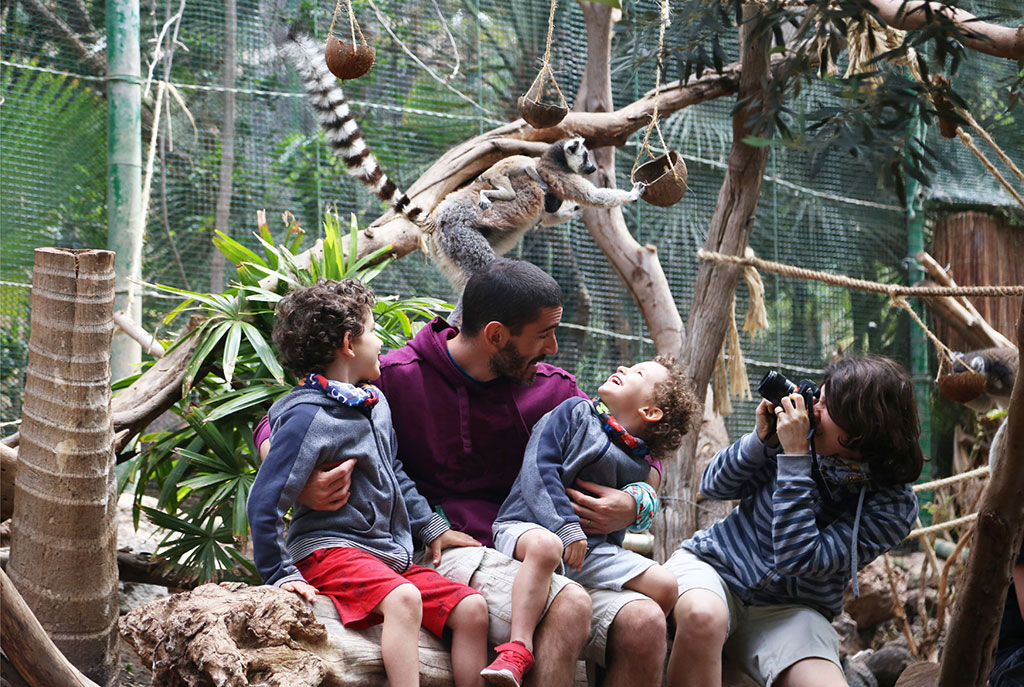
column 463, row 403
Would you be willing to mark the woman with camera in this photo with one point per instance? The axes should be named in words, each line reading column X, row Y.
column 824, row 488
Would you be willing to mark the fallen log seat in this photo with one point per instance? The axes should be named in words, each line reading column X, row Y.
column 235, row 635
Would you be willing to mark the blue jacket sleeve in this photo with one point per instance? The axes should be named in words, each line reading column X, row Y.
column 738, row 470
column 543, row 466
column 802, row 549
column 292, row 457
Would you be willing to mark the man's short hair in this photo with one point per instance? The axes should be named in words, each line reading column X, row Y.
column 311, row 322
column 509, row 291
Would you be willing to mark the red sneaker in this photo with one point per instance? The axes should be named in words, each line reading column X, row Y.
column 513, row 662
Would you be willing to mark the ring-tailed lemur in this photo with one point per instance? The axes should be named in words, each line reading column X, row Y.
column 467, row 229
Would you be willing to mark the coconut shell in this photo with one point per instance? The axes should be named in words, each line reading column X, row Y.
column 665, row 178
column 347, row 61
column 541, row 115
column 962, row 386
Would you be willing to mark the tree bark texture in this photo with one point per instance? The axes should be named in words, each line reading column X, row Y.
column 729, row 233
column 968, row 654
column 63, row 534
column 29, row 648
column 991, row 39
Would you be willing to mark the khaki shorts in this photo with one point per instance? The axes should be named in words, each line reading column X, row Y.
column 491, row 573
column 763, row 640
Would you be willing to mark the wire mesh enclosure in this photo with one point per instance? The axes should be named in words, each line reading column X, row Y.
column 445, row 71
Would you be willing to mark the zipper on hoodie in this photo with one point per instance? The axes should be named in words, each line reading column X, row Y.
column 394, row 483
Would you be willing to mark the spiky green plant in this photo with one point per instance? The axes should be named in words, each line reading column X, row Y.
column 203, row 470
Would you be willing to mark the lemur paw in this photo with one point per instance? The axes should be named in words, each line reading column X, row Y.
column 637, row 190
column 484, row 204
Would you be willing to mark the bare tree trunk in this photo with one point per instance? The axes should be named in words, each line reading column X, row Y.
column 227, row 144
column 967, row 659
column 729, row 233
column 64, row 530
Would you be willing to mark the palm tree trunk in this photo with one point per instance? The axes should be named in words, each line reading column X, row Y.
column 64, row 532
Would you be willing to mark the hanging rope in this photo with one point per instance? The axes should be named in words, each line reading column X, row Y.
column 546, row 65
column 654, row 123
column 353, row 25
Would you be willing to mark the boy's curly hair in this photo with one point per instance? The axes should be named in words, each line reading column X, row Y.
column 311, row 322
column 678, row 404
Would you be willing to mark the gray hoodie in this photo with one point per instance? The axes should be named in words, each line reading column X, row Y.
column 383, row 512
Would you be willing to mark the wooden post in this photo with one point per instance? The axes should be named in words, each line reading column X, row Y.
column 64, row 530
column 967, row 658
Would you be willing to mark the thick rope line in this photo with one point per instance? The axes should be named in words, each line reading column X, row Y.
column 945, row 354
column 546, row 66
column 969, row 142
column 942, row 526
column 892, row 290
column 946, row 481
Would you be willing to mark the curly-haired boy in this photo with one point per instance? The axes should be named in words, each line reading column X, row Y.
column 640, row 411
column 359, row 555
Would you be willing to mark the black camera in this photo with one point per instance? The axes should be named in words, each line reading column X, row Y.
column 774, row 386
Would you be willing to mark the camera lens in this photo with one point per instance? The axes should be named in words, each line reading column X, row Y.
column 774, row 386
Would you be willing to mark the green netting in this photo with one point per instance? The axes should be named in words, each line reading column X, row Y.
column 53, row 147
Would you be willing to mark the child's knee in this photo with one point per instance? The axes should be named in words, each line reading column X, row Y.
column 405, row 601
column 662, row 586
column 470, row 614
column 701, row 616
column 542, row 547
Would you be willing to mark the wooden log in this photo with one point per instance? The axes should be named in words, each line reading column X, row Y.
column 952, row 312
column 28, row 646
column 219, row 634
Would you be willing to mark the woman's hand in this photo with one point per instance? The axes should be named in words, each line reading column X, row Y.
column 764, row 423
column 608, row 510
column 793, row 425
column 328, row 486
column 447, row 540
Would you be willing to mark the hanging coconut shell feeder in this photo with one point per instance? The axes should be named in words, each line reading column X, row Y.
column 961, row 387
column 664, row 179
column 348, row 60
column 538, row 114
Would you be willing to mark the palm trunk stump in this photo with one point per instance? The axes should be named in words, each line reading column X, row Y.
column 64, row 534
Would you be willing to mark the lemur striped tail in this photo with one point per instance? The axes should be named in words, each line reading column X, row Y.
column 341, row 128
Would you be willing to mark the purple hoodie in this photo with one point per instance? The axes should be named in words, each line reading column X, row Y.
column 461, row 441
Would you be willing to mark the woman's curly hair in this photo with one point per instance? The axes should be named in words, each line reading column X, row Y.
column 677, row 402
column 311, row 322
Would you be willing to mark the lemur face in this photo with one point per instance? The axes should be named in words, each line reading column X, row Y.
column 577, row 157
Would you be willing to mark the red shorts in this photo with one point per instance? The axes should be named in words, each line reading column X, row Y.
column 357, row 581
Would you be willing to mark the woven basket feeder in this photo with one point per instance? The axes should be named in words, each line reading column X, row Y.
column 347, row 61
column 961, row 386
column 665, row 178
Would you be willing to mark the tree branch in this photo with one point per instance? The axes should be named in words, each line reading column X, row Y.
column 91, row 58
column 991, row 39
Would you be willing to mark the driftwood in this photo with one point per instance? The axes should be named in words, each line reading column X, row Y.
column 224, row 634
column 29, row 648
column 967, row 659
column 959, row 312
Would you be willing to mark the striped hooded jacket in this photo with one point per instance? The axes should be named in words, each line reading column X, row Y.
column 792, row 538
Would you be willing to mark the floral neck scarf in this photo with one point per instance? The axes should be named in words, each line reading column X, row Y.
column 362, row 396
column 632, row 445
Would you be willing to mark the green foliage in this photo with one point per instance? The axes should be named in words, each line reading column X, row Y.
column 204, row 469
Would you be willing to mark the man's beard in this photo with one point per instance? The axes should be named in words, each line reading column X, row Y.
column 510, row 363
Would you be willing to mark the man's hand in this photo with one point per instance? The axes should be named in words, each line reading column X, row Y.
column 793, row 425
column 303, row 589
column 328, row 485
column 447, row 540
column 575, row 553
column 608, row 510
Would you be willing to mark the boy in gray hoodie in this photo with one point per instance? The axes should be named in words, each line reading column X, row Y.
column 609, row 441
column 360, row 555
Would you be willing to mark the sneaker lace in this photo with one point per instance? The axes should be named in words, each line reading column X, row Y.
column 516, row 658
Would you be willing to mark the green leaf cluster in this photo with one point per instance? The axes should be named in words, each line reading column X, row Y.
column 202, row 470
